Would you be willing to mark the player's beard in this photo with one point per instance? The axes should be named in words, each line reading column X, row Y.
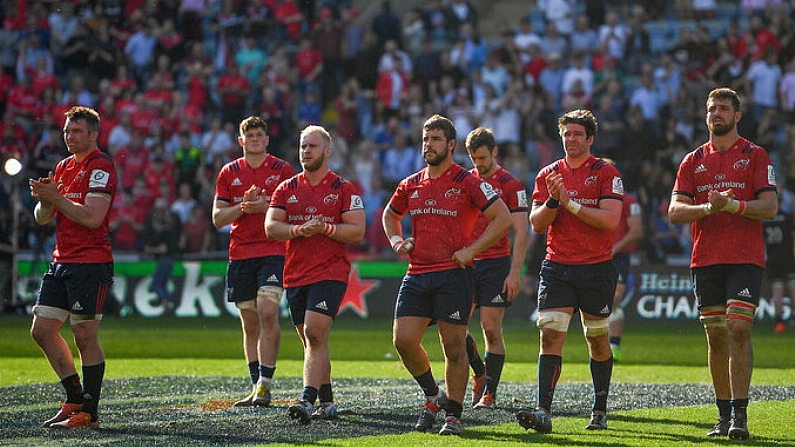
column 438, row 159
column 486, row 169
column 719, row 129
column 315, row 164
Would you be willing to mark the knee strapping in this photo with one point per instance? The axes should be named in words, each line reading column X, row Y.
column 270, row 293
column 595, row 328
column 558, row 321
column 740, row 310
column 713, row 316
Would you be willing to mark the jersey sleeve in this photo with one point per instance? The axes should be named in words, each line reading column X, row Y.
column 351, row 200
column 612, row 187
column 764, row 172
column 516, row 196
column 278, row 197
column 102, row 176
column 684, row 178
column 540, row 191
column 482, row 193
column 222, row 186
column 399, row 202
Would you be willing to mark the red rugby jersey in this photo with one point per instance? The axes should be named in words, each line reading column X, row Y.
column 248, row 238
column 514, row 194
column 630, row 207
column 725, row 238
column 316, row 258
column 443, row 213
column 74, row 242
column 569, row 239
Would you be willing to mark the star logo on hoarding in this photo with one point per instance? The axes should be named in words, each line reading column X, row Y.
column 356, row 292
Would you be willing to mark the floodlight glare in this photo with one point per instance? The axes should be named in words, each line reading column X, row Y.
column 12, row 167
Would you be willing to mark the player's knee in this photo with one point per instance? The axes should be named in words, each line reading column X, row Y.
column 713, row 316
column 617, row 315
column 557, row 321
column 595, row 328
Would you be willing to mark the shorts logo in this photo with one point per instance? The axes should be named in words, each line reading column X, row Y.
column 497, row 299
column 455, row 316
column 78, row 307
column 272, row 278
column 322, row 305
column 605, row 310
column 745, row 293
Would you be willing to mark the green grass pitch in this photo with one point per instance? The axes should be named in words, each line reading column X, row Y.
column 171, row 382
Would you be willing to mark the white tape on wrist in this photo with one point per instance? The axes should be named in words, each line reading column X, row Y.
column 573, row 207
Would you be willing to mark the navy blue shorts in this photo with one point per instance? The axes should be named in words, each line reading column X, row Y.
column 589, row 287
column 490, row 276
column 245, row 276
column 440, row 296
column 621, row 263
column 80, row 289
column 714, row 285
column 322, row 297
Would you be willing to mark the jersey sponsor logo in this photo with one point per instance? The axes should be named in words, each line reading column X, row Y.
column 720, row 186
column 720, row 176
column 99, row 179
column 322, row 305
column 77, row 306
column 237, row 182
column 414, row 195
column 311, row 209
column 331, row 199
column 430, row 202
column 453, row 193
column 701, row 168
column 745, row 293
column 487, row 190
column 292, row 199
column 497, row 299
column 771, row 175
column 618, row 186
column 73, row 195
column 356, row 202
column 592, row 180
column 521, row 197
column 455, row 315
column 742, row 165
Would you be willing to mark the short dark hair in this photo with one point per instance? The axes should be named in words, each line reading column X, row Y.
column 253, row 122
column 582, row 117
column 440, row 122
column 725, row 93
column 482, row 136
column 87, row 114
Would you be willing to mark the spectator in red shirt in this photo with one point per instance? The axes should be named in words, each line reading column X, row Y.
column 131, row 160
column 233, row 90
column 308, row 63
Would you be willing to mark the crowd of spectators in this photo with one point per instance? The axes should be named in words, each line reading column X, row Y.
column 172, row 79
